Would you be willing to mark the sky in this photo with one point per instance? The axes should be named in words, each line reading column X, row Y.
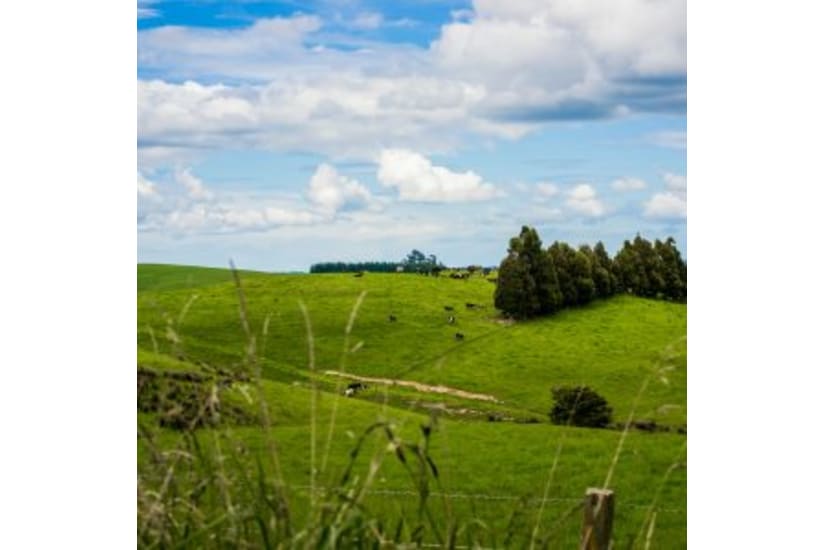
column 281, row 134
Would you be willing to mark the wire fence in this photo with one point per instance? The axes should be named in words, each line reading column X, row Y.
column 535, row 501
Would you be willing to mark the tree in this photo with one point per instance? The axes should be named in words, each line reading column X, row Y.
column 603, row 272
column 579, row 406
column 526, row 259
column 417, row 262
column 515, row 289
column 674, row 269
column 562, row 256
column 630, row 271
column 582, row 271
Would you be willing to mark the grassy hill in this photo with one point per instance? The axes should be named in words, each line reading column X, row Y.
column 631, row 350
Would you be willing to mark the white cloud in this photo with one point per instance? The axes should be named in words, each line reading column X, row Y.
column 210, row 50
column 330, row 191
column 286, row 89
column 672, row 203
column 670, row 139
column 666, row 205
column 675, row 182
column 547, row 189
column 145, row 188
column 338, row 114
column 417, row 179
column 640, row 35
column 226, row 216
column 567, row 59
column 194, row 186
column 368, row 20
column 628, row 184
column 192, row 208
column 583, row 199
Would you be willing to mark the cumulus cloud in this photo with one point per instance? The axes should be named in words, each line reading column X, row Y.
column 330, row 191
column 338, row 114
column 672, row 203
column 628, row 184
column 583, row 199
column 417, row 179
column 190, row 207
column 285, row 88
column 194, row 185
column 570, row 60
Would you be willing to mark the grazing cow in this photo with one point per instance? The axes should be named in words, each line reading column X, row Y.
column 451, row 319
column 359, row 274
column 354, row 387
column 392, row 318
column 459, row 336
column 471, row 305
column 448, row 308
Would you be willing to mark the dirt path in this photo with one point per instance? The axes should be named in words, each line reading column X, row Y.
column 416, row 386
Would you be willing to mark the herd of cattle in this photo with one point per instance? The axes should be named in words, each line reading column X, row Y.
column 355, row 387
column 451, row 319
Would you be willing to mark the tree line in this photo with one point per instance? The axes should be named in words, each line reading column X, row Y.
column 534, row 281
column 415, row 262
column 354, row 267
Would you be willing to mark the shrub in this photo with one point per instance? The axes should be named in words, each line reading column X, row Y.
column 579, row 406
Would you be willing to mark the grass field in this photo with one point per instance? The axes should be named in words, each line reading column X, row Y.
column 631, row 350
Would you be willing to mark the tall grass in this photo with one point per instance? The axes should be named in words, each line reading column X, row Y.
column 203, row 488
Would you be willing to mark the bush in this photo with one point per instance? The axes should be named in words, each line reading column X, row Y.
column 579, row 406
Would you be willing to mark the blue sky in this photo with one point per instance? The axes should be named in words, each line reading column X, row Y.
column 281, row 134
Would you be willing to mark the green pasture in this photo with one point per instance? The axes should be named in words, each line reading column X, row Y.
column 494, row 459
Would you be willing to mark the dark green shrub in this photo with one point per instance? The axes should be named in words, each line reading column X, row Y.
column 579, row 406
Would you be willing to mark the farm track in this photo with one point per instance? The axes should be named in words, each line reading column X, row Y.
column 418, row 386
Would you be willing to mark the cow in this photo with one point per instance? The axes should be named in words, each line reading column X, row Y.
column 448, row 308
column 359, row 274
column 471, row 305
column 354, row 387
column 392, row 318
column 459, row 336
column 451, row 319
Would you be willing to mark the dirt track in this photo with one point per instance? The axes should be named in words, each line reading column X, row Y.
column 416, row 386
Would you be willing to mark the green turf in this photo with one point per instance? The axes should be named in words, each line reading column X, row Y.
column 190, row 316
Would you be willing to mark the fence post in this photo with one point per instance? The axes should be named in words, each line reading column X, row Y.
column 598, row 520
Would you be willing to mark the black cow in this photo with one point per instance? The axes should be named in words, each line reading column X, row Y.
column 354, row 388
column 448, row 308
column 392, row 318
column 359, row 274
column 459, row 336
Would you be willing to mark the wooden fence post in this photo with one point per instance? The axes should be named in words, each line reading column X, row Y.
column 598, row 520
